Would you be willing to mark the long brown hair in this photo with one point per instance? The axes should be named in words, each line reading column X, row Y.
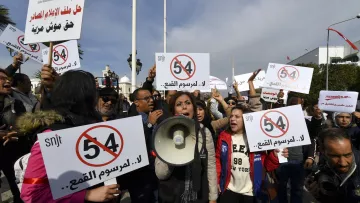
column 176, row 96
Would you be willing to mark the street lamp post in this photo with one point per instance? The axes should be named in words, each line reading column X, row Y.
column 327, row 48
column 138, row 64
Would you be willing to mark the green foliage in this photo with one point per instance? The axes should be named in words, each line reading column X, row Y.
column 342, row 77
column 4, row 17
column 37, row 74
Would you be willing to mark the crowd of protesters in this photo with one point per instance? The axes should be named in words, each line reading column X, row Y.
column 230, row 173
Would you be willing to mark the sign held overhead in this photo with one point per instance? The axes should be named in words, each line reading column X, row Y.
column 338, row 101
column 65, row 56
column 53, row 20
column 182, row 71
column 13, row 38
column 242, row 80
column 287, row 77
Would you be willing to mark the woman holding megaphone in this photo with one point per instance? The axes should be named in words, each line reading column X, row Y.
column 194, row 182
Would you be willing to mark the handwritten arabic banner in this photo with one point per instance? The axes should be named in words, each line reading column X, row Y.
column 53, row 20
column 80, row 157
column 287, row 77
column 338, row 101
column 279, row 128
column 271, row 95
column 216, row 83
column 14, row 39
column 182, row 71
column 65, row 56
column 242, row 80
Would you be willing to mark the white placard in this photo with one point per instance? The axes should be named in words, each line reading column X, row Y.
column 53, row 20
column 65, row 56
column 287, row 77
column 279, row 128
column 80, row 157
column 242, row 80
column 14, row 39
column 338, row 101
column 182, row 71
column 216, row 83
column 270, row 95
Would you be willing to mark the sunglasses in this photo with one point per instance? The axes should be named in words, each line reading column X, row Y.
column 231, row 103
column 107, row 99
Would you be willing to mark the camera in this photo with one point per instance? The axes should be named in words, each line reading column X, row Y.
column 327, row 180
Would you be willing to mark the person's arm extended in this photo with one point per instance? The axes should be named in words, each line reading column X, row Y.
column 16, row 64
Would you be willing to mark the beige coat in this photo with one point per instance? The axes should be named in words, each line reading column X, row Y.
column 163, row 171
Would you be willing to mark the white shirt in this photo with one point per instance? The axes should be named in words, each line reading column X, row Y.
column 240, row 181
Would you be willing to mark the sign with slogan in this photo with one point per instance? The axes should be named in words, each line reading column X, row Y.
column 80, row 157
column 182, row 71
column 14, row 39
column 287, row 77
column 279, row 128
column 53, row 20
column 216, row 83
column 242, row 80
column 65, row 56
column 271, row 95
column 338, row 101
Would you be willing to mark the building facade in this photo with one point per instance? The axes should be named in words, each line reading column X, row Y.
column 337, row 54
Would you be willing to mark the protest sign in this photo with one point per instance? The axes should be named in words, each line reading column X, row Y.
column 53, row 20
column 14, row 39
column 182, row 71
column 216, row 83
column 242, row 80
column 80, row 157
column 279, row 128
column 338, row 101
column 287, row 77
column 271, row 95
column 65, row 56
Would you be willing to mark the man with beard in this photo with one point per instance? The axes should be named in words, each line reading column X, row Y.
column 107, row 103
column 11, row 148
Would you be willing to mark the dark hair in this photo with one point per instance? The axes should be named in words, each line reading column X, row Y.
column 108, row 91
column 293, row 100
column 75, row 92
column 135, row 94
column 179, row 94
column 332, row 134
column 3, row 71
column 156, row 91
column 18, row 78
column 237, row 107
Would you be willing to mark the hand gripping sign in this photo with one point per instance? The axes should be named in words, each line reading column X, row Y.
column 338, row 101
column 80, row 157
column 178, row 71
column 276, row 129
column 65, row 56
column 287, row 77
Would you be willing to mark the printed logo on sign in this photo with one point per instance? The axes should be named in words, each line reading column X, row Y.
column 101, row 150
column 28, row 47
column 60, row 55
column 182, row 67
column 274, row 124
column 288, row 74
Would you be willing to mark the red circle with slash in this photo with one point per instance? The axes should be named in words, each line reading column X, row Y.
column 60, row 58
column 85, row 135
column 176, row 62
column 285, row 74
column 28, row 47
column 269, row 127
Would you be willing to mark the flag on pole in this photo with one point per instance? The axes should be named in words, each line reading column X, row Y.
column 346, row 39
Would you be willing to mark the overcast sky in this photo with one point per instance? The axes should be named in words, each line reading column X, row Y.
column 254, row 32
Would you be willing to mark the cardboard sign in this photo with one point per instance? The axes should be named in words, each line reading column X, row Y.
column 53, row 20
column 279, row 128
column 80, row 157
column 271, row 95
column 242, row 80
column 182, row 71
column 14, row 39
column 338, row 101
column 65, row 56
column 287, row 77
column 216, row 83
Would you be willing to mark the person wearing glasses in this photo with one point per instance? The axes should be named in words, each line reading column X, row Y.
column 142, row 183
column 106, row 105
column 156, row 94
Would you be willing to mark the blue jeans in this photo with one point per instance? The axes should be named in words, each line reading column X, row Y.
column 293, row 171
